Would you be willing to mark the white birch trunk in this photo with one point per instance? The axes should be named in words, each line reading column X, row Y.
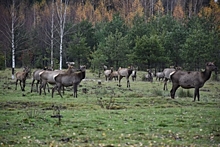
column 52, row 30
column 12, row 38
column 62, row 19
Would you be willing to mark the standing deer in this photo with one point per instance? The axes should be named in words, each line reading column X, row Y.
column 134, row 75
column 191, row 79
column 21, row 77
column 167, row 72
column 36, row 77
column 69, row 79
column 107, row 72
column 159, row 75
column 47, row 77
column 124, row 72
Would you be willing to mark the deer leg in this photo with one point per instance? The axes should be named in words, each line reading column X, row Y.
column 44, row 87
column 128, row 83
column 59, row 90
column 196, row 93
column 75, row 90
column 119, row 81
column 37, row 85
column 173, row 91
column 53, row 89
column 23, row 89
column 63, row 89
column 20, row 85
column 16, row 83
column 165, row 84
column 32, row 83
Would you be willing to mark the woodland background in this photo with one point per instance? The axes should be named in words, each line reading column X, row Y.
column 118, row 33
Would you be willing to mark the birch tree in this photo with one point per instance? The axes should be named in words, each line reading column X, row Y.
column 52, row 36
column 61, row 14
column 10, row 26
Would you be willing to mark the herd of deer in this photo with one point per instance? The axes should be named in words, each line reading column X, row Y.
column 58, row 78
column 72, row 77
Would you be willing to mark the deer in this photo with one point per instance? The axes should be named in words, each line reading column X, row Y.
column 149, row 76
column 159, row 75
column 167, row 72
column 69, row 79
column 107, row 72
column 191, row 79
column 124, row 72
column 21, row 77
column 134, row 75
column 114, row 75
column 47, row 77
column 36, row 77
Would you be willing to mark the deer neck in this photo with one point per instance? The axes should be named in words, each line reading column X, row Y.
column 206, row 74
column 83, row 75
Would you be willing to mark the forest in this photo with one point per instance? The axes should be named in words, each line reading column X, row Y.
column 143, row 33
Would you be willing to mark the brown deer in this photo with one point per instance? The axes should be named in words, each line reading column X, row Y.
column 191, row 79
column 47, row 77
column 36, row 77
column 21, row 77
column 69, row 79
column 107, row 72
column 113, row 75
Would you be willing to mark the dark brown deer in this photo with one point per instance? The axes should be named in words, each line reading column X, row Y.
column 191, row 79
column 69, row 79
column 124, row 72
column 21, row 77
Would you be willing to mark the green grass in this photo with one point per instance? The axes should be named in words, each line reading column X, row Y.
column 108, row 115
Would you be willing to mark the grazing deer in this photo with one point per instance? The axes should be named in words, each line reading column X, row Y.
column 149, row 76
column 69, row 79
column 21, row 77
column 191, row 79
column 114, row 75
column 124, row 72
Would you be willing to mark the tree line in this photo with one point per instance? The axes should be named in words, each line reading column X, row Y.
column 147, row 34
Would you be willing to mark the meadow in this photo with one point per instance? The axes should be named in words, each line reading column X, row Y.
column 107, row 115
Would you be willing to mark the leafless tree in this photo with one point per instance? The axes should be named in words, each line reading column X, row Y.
column 11, row 24
column 61, row 14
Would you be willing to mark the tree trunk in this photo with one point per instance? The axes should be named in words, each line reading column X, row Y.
column 12, row 38
column 62, row 19
column 52, row 30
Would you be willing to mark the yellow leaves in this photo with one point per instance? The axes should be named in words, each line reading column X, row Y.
column 87, row 12
column 136, row 10
column 178, row 12
column 159, row 9
column 212, row 11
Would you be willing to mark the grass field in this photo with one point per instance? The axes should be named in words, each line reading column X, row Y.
column 108, row 115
